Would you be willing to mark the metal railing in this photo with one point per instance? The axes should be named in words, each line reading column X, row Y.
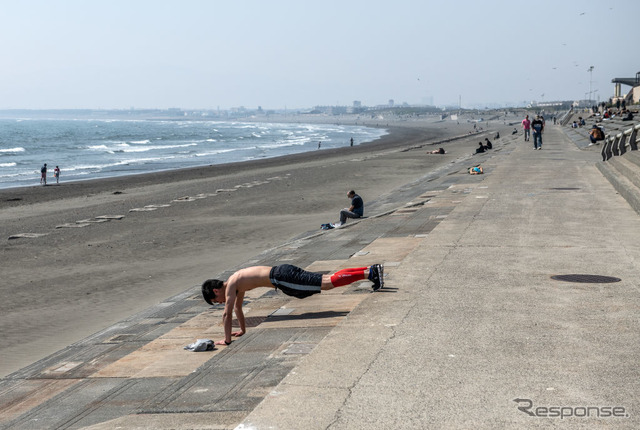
column 617, row 144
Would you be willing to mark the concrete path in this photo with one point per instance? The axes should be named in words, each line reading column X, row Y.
column 475, row 320
column 471, row 330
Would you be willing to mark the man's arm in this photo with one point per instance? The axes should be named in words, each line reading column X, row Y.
column 227, row 316
column 239, row 315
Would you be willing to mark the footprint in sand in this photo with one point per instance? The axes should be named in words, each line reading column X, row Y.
column 26, row 235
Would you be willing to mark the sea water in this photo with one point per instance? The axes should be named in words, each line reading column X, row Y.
column 97, row 148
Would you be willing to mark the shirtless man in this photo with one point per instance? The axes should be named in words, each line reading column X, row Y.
column 292, row 280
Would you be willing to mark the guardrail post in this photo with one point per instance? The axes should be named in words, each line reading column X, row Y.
column 616, row 145
column 622, row 145
column 606, row 149
column 633, row 143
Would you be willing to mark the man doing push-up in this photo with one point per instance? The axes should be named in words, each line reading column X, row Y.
column 291, row 280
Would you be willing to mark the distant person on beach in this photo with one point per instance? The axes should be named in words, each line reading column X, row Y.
column 497, row 136
column 438, row 151
column 291, row 280
column 43, row 174
column 56, row 174
column 526, row 126
column 515, row 131
column 356, row 210
column 487, row 143
column 480, row 148
column 352, row 141
column 538, row 127
column 319, row 145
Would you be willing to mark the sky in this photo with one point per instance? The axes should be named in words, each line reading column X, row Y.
column 277, row 54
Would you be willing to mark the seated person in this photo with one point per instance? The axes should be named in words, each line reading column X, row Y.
column 480, row 148
column 515, row 131
column 488, row 144
column 438, row 151
column 356, row 210
column 574, row 125
column 476, row 170
column 596, row 134
column 628, row 116
column 497, row 136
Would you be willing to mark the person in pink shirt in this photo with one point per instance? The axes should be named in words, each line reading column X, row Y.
column 526, row 125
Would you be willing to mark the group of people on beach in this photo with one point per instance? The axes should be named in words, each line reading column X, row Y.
column 536, row 127
column 484, row 147
column 43, row 174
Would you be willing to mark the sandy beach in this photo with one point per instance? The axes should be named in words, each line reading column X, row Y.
column 163, row 233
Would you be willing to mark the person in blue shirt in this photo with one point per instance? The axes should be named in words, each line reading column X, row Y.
column 356, row 210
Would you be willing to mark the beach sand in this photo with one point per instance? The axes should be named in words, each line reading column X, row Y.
column 75, row 279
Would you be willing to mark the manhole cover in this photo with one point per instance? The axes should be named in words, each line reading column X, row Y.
column 586, row 279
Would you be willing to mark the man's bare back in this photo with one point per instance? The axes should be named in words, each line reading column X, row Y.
column 252, row 277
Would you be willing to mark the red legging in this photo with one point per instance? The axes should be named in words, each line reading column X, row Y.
column 347, row 276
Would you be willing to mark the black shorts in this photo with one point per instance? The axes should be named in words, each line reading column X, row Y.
column 294, row 281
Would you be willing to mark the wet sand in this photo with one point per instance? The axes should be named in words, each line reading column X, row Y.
column 179, row 228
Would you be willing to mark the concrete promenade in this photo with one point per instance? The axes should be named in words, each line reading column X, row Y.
column 469, row 321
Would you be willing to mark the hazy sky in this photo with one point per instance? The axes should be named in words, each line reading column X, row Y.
column 297, row 53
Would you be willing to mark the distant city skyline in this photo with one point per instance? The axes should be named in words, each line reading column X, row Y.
column 285, row 54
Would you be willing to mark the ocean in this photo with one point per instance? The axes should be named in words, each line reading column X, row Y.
column 87, row 149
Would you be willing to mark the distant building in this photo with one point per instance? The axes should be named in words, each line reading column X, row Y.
column 391, row 103
column 633, row 96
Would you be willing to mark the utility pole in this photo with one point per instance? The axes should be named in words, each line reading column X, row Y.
column 590, row 81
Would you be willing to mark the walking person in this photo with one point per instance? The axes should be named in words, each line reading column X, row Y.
column 291, row 280
column 43, row 174
column 526, row 126
column 538, row 126
column 56, row 174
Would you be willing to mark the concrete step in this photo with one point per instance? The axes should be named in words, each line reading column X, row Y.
column 626, row 168
column 633, row 157
column 627, row 189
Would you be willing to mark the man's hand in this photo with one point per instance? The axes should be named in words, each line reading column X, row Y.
column 238, row 333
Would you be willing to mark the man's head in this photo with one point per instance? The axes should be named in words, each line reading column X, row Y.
column 351, row 193
column 212, row 291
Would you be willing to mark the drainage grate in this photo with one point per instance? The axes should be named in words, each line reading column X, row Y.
column 250, row 321
column 586, row 279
